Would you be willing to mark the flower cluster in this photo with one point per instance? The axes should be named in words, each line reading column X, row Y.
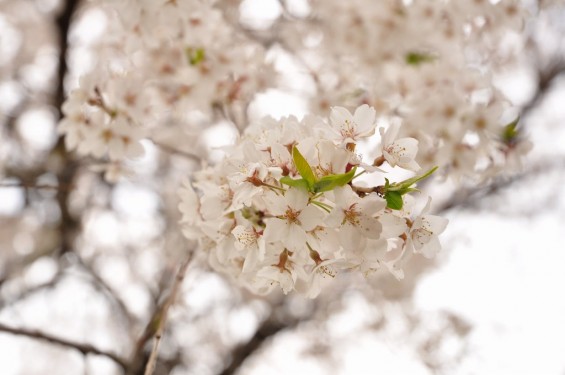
column 428, row 62
column 163, row 63
column 284, row 208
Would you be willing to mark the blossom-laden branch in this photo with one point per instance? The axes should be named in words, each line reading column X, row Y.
column 284, row 201
column 83, row 348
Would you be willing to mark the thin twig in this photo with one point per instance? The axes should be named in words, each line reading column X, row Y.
column 108, row 291
column 269, row 328
column 176, row 151
column 32, row 291
column 25, row 185
column 159, row 318
column 83, row 348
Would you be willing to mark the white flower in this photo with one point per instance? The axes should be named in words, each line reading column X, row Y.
column 189, row 207
column 321, row 275
column 350, row 128
column 395, row 257
column 293, row 218
column 117, row 138
column 354, row 217
column 331, row 159
column 401, row 151
column 425, row 231
column 265, row 234
column 114, row 171
column 248, row 239
column 284, row 272
column 246, row 183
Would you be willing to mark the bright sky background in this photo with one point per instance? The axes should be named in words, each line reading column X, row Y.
column 501, row 270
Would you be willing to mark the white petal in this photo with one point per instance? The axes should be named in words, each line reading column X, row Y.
column 389, row 136
column 135, row 150
column 275, row 230
column 335, row 218
column 364, row 117
column 437, row 223
column 338, row 117
column 276, row 204
column 296, row 238
column 409, row 145
column 297, row 199
column 189, row 203
column 350, row 238
column 372, row 204
column 431, row 248
column 311, row 217
column 369, row 227
column 245, row 237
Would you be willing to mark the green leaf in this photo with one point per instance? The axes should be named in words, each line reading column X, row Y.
column 511, row 131
column 195, row 55
column 417, row 58
column 332, row 181
column 299, row 183
column 394, row 200
column 403, row 187
column 303, row 167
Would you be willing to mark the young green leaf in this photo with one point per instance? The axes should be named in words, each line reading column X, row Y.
column 332, row 181
column 394, row 200
column 417, row 58
column 299, row 183
column 511, row 131
column 195, row 55
column 403, row 186
column 303, row 167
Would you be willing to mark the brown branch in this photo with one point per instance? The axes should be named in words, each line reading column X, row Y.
column 162, row 316
column 26, row 185
column 65, row 176
column 270, row 327
column 154, row 328
column 110, row 294
column 31, row 291
column 546, row 78
column 471, row 197
column 63, row 24
column 176, row 151
column 83, row 348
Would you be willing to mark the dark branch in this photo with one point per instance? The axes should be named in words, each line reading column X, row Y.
column 268, row 329
column 546, row 78
column 155, row 326
column 63, row 24
column 101, row 285
column 83, row 348
column 67, row 172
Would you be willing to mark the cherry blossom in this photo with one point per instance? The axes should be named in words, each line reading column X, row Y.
column 401, row 151
column 283, row 210
column 425, row 230
column 353, row 216
column 286, row 208
column 293, row 217
column 350, row 128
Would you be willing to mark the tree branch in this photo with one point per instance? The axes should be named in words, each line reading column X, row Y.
column 176, row 151
column 66, row 174
column 155, row 327
column 270, row 327
column 161, row 317
column 83, row 348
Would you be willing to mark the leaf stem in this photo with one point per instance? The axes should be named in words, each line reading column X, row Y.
column 323, row 206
